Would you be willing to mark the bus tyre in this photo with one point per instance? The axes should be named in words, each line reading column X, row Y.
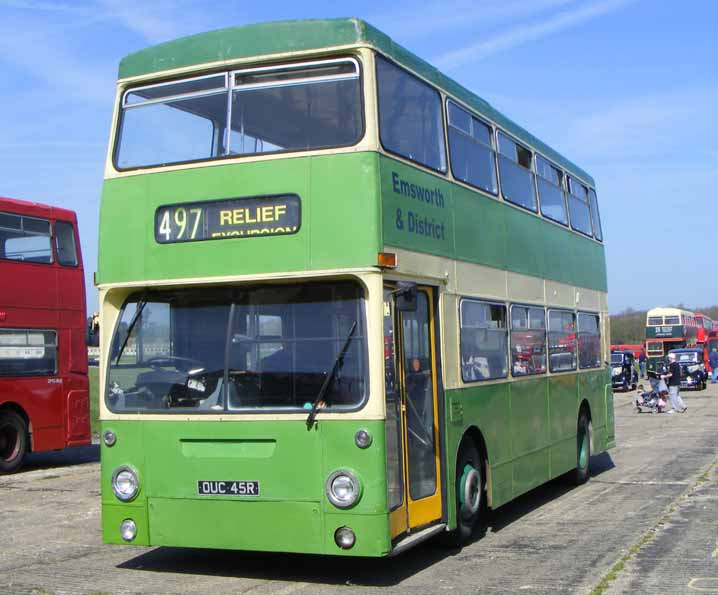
column 583, row 450
column 469, row 490
column 13, row 441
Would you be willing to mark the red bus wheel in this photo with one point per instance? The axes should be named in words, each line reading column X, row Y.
column 13, row 441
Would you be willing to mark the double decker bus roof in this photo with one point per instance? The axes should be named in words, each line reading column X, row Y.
column 26, row 207
column 280, row 38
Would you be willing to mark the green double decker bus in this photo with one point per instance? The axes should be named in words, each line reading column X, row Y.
column 346, row 305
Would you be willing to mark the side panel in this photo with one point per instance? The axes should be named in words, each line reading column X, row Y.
column 427, row 213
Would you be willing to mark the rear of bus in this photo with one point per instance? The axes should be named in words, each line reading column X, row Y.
column 44, row 394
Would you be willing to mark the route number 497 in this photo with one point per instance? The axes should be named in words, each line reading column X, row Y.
column 180, row 224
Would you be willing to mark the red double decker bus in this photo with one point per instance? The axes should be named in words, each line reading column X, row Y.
column 705, row 326
column 44, row 393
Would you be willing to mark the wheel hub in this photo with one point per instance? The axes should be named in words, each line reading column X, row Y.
column 469, row 491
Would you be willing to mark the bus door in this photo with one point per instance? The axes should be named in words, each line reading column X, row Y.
column 412, row 425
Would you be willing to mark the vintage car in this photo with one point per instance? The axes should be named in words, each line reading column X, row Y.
column 693, row 370
column 623, row 370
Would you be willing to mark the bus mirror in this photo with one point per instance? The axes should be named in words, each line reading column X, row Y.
column 406, row 296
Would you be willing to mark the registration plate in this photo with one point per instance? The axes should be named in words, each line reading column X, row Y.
column 228, row 488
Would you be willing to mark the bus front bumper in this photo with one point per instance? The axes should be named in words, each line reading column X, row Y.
column 300, row 527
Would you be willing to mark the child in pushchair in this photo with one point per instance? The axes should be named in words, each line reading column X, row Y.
column 653, row 400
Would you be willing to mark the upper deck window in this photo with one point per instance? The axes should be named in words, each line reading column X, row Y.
column 473, row 159
column 672, row 320
column 292, row 107
column 655, row 320
column 410, row 118
column 65, row 243
column 578, row 206
column 25, row 238
column 517, row 179
column 595, row 218
column 550, row 188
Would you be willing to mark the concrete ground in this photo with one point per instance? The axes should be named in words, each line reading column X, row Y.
column 645, row 523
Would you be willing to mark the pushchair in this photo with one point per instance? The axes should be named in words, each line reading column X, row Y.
column 653, row 400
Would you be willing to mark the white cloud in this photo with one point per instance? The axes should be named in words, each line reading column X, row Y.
column 522, row 34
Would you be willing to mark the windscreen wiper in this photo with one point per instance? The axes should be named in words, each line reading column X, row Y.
column 338, row 363
column 140, row 306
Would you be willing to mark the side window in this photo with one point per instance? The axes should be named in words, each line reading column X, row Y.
column 528, row 341
column 65, row 244
column 410, row 116
column 561, row 340
column 550, row 189
column 471, row 149
column 595, row 218
column 517, row 178
column 589, row 341
column 578, row 207
column 483, row 340
column 28, row 352
column 25, row 238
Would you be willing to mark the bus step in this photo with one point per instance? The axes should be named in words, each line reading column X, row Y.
column 416, row 538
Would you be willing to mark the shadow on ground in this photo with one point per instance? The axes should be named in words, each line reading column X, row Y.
column 67, row 457
column 379, row 572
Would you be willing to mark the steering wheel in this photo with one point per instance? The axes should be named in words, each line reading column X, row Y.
column 183, row 364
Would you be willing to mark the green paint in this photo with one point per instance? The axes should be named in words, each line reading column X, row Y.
column 267, row 39
column 466, row 225
column 350, row 205
column 529, row 428
column 291, row 463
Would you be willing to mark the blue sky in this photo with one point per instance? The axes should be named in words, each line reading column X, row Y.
column 627, row 89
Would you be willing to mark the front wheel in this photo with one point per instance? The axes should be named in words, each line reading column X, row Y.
column 13, row 441
column 583, row 450
column 469, row 491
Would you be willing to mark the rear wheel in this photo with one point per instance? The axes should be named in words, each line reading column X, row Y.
column 583, row 450
column 13, row 441
column 469, row 493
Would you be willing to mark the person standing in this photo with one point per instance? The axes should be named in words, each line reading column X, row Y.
column 673, row 377
column 713, row 361
column 642, row 362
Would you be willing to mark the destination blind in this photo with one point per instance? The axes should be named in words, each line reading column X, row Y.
column 228, row 218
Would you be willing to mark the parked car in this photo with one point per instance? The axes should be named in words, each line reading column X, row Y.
column 623, row 370
column 693, row 370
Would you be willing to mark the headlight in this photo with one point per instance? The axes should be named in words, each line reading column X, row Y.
column 125, row 483
column 343, row 489
column 109, row 438
column 128, row 530
column 693, row 369
column 616, row 371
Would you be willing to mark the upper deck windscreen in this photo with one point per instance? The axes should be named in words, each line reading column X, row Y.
column 294, row 107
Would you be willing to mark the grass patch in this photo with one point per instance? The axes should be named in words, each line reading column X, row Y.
column 94, row 376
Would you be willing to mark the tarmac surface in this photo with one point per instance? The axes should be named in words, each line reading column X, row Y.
column 644, row 523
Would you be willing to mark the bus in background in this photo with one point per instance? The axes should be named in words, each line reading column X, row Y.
column 666, row 329
column 44, row 397
column 711, row 343
column 705, row 325
column 634, row 348
column 345, row 305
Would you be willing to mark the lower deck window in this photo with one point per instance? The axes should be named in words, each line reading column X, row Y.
column 589, row 341
column 483, row 341
column 28, row 352
column 561, row 340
